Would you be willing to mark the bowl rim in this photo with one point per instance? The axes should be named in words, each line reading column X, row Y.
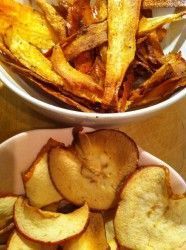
column 78, row 114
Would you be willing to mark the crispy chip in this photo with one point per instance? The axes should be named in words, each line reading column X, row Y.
column 79, row 84
column 30, row 57
column 54, row 19
column 160, row 92
column 148, row 24
column 99, row 9
column 86, row 39
column 122, row 28
column 30, row 24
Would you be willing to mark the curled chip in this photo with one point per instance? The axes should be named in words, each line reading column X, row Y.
column 48, row 227
column 149, row 211
column 97, row 162
column 37, row 182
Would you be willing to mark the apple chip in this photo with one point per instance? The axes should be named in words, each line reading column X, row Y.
column 149, row 211
column 123, row 18
column 38, row 185
column 148, row 24
column 17, row 242
column 79, row 84
column 97, row 162
column 54, row 19
column 6, row 210
column 48, row 227
column 93, row 238
column 30, row 57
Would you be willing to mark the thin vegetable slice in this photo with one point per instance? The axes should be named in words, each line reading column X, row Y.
column 148, row 211
column 38, row 185
column 93, row 238
column 18, row 242
column 97, row 162
column 149, row 24
column 6, row 210
column 123, row 18
column 78, row 83
column 54, row 19
column 48, row 227
column 30, row 57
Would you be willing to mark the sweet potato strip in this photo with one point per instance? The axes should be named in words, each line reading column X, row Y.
column 149, row 4
column 99, row 9
column 123, row 18
column 174, row 67
column 30, row 57
column 79, row 84
column 148, row 24
column 58, row 96
column 30, row 24
column 86, row 39
column 54, row 19
column 160, row 92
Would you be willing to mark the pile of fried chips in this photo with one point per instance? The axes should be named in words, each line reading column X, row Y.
column 94, row 56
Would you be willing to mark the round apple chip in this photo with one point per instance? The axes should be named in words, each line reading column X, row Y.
column 48, row 227
column 149, row 216
column 92, row 169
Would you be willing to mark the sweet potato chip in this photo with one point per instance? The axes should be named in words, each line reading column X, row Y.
column 93, row 238
column 160, row 92
column 30, row 24
column 150, row 4
column 54, row 19
column 78, row 83
column 30, row 57
column 175, row 66
column 38, row 185
column 97, row 162
column 99, row 9
column 149, row 211
column 87, row 38
column 148, row 24
column 123, row 18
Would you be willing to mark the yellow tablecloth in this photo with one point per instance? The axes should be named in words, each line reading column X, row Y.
column 163, row 135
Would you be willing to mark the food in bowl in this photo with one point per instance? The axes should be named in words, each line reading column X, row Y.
column 82, row 54
column 105, row 200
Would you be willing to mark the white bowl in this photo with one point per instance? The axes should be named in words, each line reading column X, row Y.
column 175, row 40
column 18, row 153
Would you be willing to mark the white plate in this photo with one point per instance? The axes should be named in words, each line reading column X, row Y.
column 18, row 153
column 175, row 41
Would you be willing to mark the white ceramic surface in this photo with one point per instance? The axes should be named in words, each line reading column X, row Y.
column 175, row 41
column 17, row 154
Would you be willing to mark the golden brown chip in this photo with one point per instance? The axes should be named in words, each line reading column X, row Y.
column 123, row 18
column 30, row 57
column 99, row 8
column 54, row 19
column 30, row 24
column 149, row 4
column 87, row 38
column 160, row 92
column 78, row 83
column 148, row 24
